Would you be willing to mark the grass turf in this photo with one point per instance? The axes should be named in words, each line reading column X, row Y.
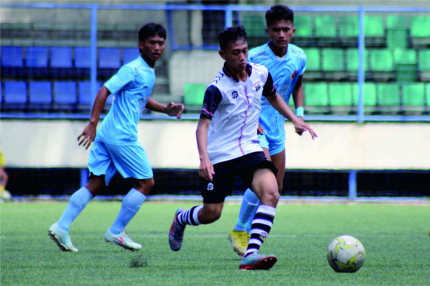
column 395, row 238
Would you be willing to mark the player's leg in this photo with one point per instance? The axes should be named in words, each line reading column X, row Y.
column 130, row 161
column 98, row 164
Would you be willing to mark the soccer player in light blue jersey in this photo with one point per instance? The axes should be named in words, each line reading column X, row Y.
column 287, row 63
column 115, row 147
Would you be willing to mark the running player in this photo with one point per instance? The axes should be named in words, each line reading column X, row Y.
column 115, row 146
column 228, row 146
column 287, row 63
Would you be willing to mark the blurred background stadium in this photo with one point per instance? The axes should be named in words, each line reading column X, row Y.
column 367, row 91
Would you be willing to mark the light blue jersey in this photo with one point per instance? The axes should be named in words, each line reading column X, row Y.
column 285, row 71
column 131, row 88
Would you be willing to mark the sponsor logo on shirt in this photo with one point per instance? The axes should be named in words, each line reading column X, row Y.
column 257, row 86
column 294, row 74
column 234, row 94
column 210, row 186
column 255, row 142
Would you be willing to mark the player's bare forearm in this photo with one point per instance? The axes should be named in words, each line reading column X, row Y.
column 298, row 94
column 172, row 109
column 206, row 170
column 279, row 104
column 154, row 105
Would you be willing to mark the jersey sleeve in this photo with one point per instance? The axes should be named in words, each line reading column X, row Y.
column 269, row 88
column 211, row 101
column 124, row 76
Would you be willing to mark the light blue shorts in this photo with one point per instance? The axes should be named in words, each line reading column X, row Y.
column 129, row 160
column 274, row 147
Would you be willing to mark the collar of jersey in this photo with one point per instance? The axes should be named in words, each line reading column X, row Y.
column 273, row 54
column 227, row 73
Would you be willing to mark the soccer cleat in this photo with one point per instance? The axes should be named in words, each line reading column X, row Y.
column 61, row 238
column 256, row 261
column 239, row 239
column 123, row 240
column 176, row 234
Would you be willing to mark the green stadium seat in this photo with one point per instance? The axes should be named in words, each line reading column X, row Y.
column 413, row 97
column 340, row 97
column 254, row 24
column 348, row 29
column 381, row 64
column 396, row 22
column 193, row 96
column 325, row 29
column 420, row 30
column 388, row 98
column 428, row 98
column 313, row 63
column 406, row 65
column 424, row 64
column 304, row 30
column 316, row 98
column 352, row 63
column 369, row 97
column 397, row 38
column 374, row 30
column 333, row 63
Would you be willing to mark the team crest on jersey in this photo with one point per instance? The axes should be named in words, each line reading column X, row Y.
column 210, row 186
column 234, row 94
column 257, row 86
column 294, row 74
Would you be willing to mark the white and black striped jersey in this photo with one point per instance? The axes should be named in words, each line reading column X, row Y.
column 234, row 108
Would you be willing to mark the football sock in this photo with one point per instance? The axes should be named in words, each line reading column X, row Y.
column 261, row 226
column 78, row 201
column 130, row 206
column 190, row 216
column 250, row 203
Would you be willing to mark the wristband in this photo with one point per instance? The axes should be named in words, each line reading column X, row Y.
column 300, row 111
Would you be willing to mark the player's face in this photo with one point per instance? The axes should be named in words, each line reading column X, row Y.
column 236, row 55
column 152, row 48
column 280, row 33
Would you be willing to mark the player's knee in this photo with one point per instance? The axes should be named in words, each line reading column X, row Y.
column 209, row 214
column 210, row 218
column 270, row 198
column 144, row 186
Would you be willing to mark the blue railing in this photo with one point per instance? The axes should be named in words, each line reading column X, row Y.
column 360, row 117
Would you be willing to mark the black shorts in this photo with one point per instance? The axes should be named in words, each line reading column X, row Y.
column 226, row 173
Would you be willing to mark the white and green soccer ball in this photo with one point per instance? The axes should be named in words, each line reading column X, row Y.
column 346, row 254
column 6, row 195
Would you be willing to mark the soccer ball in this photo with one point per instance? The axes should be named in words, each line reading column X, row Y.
column 346, row 254
column 6, row 195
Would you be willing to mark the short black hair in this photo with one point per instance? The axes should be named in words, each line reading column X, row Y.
column 279, row 12
column 231, row 35
column 150, row 30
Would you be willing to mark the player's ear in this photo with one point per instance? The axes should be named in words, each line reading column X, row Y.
column 222, row 54
column 267, row 32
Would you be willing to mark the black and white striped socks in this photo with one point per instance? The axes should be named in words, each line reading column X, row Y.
column 261, row 226
column 190, row 216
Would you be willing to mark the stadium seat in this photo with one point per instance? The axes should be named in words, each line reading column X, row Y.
column 405, row 65
column 325, row 29
column 428, row 98
column 82, row 61
column 11, row 61
column 15, row 92
column 413, row 97
column 397, row 38
column 340, row 97
column 313, row 63
column 109, row 58
column 129, row 54
column 381, row 64
column 369, row 97
column 424, row 64
column 36, row 61
column 396, row 22
column 193, row 96
column 333, row 63
column 254, row 25
column 61, row 57
column 420, row 30
column 65, row 93
column 352, row 63
column 374, row 30
column 348, row 30
column 388, row 98
column 316, row 98
column 304, row 30
column 85, row 96
column 40, row 95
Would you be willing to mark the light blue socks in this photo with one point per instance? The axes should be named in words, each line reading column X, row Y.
column 250, row 203
column 130, row 206
column 78, row 201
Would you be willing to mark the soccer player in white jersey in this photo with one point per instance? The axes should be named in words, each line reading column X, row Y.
column 286, row 63
column 228, row 146
column 115, row 147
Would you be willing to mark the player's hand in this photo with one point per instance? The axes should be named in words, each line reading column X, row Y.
column 175, row 109
column 300, row 131
column 87, row 136
column 300, row 126
column 260, row 129
column 206, row 169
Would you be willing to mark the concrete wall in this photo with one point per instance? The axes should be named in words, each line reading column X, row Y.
column 172, row 144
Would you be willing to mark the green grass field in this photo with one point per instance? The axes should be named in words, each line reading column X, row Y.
column 395, row 238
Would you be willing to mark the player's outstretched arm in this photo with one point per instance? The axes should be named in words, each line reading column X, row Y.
column 206, row 169
column 172, row 109
column 279, row 104
column 87, row 136
column 298, row 98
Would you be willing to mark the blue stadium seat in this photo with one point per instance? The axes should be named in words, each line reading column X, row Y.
column 40, row 92
column 12, row 61
column 129, row 54
column 82, row 60
column 15, row 92
column 61, row 57
column 109, row 58
column 65, row 92
column 36, row 61
column 86, row 97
